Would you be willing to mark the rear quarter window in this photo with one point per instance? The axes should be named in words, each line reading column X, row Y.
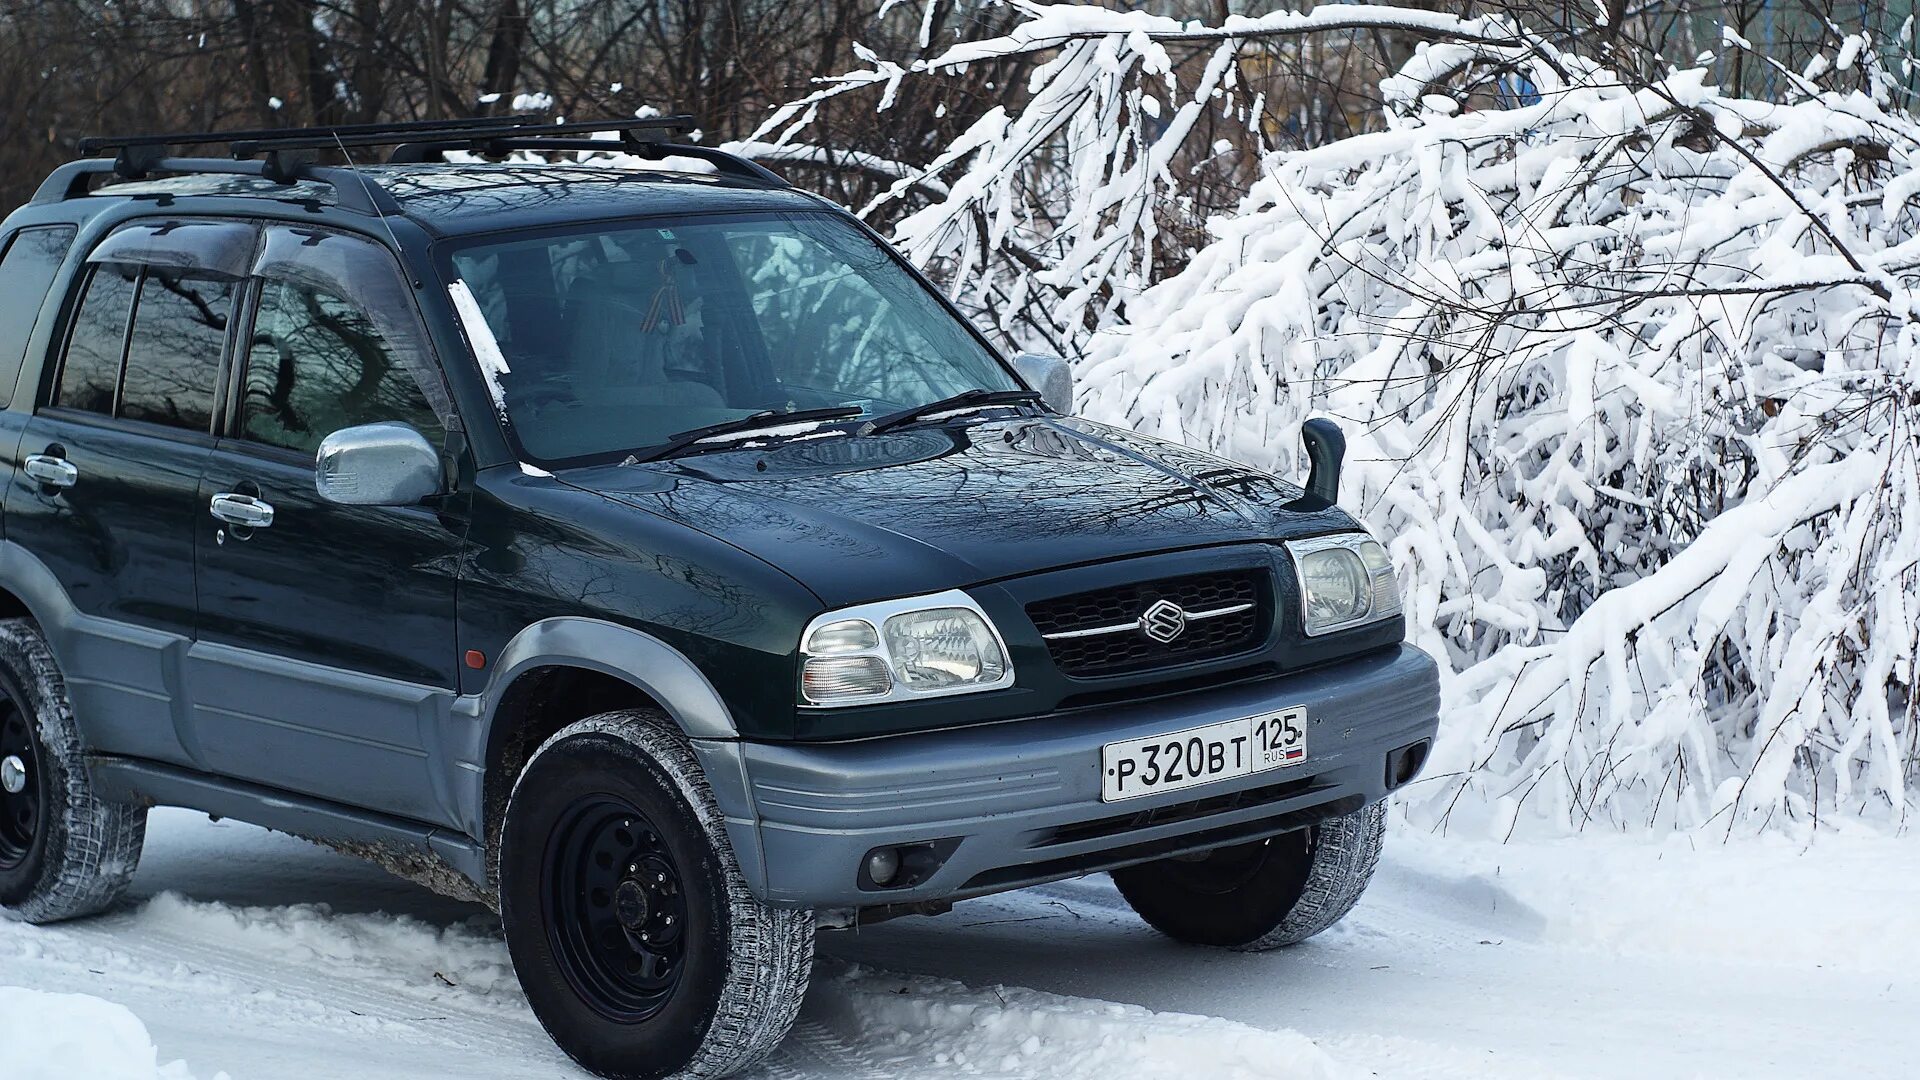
column 28, row 263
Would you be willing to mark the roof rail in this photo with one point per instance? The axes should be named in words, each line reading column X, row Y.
column 139, row 156
column 352, row 189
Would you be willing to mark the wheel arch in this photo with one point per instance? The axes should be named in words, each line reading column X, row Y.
column 560, row 670
column 28, row 589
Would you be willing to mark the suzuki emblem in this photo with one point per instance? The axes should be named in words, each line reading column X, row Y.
column 1163, row 621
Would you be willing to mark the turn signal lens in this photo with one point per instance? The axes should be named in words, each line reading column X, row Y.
column 841, row 678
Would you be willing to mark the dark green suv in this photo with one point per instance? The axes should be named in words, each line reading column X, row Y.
column 644, row 549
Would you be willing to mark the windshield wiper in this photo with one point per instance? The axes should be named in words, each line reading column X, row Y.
column 740, row 425
column 964, row 400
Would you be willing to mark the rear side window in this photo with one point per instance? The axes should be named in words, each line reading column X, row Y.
column 319, row 363
column 92, row 366
column 27, row 267
column 173, row 357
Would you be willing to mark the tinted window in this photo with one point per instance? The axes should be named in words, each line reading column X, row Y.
column 838, row 315
column 317, row 364
column 27, row 267
column 92, row 366
column 615, row 337
column 173, row 357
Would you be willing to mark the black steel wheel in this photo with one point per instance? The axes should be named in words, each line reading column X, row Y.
column 64, row 851
column 615, row 910
column 632, row 930
column 23, row 786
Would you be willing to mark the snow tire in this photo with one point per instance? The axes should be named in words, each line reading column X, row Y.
column 1265, row 894
column 746, row 966
column 82, row 850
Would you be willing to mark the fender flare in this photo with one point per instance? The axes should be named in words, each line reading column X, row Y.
column 630, row 655
column 666, row 675
column 26, row 577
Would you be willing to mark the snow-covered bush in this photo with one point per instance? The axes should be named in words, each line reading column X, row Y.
column 1629, row 376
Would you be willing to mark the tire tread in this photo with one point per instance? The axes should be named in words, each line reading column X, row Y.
column 1346, row 851
column 770, row 950
column 94, row 846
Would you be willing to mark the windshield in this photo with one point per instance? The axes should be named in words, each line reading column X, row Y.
column 613, row 339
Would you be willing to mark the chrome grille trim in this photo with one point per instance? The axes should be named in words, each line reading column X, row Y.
column 1119, row 628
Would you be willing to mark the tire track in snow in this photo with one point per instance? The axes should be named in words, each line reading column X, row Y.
column 296, row 986
column 277, row 990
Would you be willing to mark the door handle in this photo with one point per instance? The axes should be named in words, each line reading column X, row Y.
column 244, row 510
column 52, row 471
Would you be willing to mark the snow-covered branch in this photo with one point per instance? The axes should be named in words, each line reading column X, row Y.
column 1051, row 252
column 1630, row 372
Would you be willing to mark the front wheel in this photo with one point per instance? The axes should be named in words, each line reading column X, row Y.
column 1264, row 894
column 631, row 929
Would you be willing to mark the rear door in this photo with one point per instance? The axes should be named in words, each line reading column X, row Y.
column 105, row 496
column 325, row 662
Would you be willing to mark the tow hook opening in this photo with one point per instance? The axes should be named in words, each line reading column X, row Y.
column 1404, row 764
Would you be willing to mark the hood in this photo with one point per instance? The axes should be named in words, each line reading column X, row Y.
column 858, row 518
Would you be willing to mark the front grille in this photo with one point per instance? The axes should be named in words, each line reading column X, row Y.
column 1128, row 648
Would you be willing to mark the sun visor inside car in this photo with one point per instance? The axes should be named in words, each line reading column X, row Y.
column 364, row 274
column 219, row 248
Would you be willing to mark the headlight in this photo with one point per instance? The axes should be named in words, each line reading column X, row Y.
column 925, row 646
column 1345, row 580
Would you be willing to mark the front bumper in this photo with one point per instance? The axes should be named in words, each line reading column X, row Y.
column 1012, row 804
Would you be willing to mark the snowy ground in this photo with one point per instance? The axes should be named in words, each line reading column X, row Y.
column 258, row 956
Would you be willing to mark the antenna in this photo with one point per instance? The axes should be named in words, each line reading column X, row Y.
column 367, row 186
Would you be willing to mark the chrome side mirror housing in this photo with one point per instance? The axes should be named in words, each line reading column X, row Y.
column 386, row 464
column 1050, row 375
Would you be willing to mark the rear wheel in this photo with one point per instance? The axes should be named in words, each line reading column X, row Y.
column 1265, row 894
column 636, row 940
column 64, row 852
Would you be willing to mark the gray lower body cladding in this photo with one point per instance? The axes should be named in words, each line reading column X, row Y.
column 1006, row 805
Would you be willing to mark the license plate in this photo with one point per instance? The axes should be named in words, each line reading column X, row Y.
column 1183, row 759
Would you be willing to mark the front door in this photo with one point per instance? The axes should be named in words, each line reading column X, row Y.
column 325, row 661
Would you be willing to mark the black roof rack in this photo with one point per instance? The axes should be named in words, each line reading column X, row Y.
column 139, row 156
column 95, row 143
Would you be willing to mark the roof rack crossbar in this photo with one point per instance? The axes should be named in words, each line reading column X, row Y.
column 138, row 156
column 95, row 144
column 498, row 146
column 324, row 139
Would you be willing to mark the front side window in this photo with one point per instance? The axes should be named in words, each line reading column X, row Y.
column 173, row 356
column 91, row 368
column 317, row 363
column 614, row 339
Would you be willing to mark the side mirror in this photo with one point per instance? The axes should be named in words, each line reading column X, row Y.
column 1050, row 375
column 377, row 465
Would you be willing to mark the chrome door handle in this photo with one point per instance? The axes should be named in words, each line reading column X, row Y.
column 52, row 471
column 244, row 510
